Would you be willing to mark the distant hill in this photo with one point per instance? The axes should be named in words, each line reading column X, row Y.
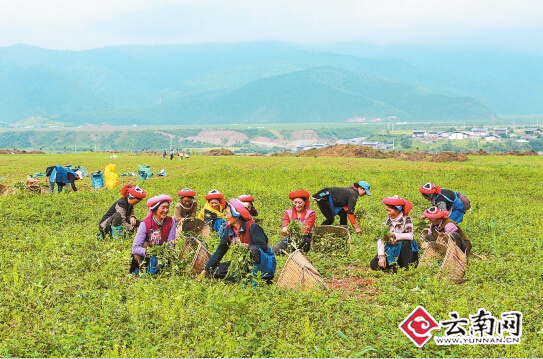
column 260, row 83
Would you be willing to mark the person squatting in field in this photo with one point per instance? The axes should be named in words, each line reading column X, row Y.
column 62, row 176
column 213, row 212
column 398, row 246
column 441, row 223
column 120, row 216
column 156, row 229
column 445, row 199
column 300, row 212
column 187, row 206
column 241, row 229
column 249, row 203
column 341, row 201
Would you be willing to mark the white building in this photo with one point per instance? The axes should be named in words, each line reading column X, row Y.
column 457, row 136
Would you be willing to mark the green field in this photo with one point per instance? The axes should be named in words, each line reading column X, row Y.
column 66, row 294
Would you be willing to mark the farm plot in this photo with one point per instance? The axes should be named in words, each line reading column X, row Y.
column 65, row 293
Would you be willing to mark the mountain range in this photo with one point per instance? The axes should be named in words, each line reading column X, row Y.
column 264, row 82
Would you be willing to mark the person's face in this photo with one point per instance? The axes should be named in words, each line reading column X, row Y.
column 427, row 196
column 435, row 221
column 230, row 220
column 299, row 204
column 361, row 191
column 133, row 201
column 162, row 211
column 215, row 204
column 248, row 205
column 392, row 212
column 187, row 201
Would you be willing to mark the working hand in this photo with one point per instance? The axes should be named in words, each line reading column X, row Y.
column 382, row 262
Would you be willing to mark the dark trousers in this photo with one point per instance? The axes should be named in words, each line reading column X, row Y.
column 406, row 257
column 115, row 220
column 328, row 211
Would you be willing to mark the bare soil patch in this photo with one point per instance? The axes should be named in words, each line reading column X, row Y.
column 351, row 282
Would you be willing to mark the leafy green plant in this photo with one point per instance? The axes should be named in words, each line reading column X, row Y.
column 241, row 262
column 168, row 259
column 295, row 233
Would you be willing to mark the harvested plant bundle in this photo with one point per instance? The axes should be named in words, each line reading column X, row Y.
column 241, row 262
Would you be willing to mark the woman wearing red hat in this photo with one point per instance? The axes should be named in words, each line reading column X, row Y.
column 121, row 213
column 213, row 211
column 187, row 205
column 441, row 223
column 446, row 199
column 398, row 247
column 300, row 212
column 156, row 229
column 248, row 201
column 241, row 227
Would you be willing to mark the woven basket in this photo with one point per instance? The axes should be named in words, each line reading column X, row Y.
column 340, row 233
column 190, row 244
column 34, row 188
column 199, row 261
column 432, row 253
column 196, row 226
column 299, row 273
column 3, row 189
column 454, row 263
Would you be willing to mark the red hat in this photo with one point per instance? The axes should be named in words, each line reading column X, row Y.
column 246, row 198
column 215, row 194
column 434, row 212
column 153, row 202
column 238, row 209
column 429, row 188
column 300, row 193
column 401, row 204
column 133, row 191
column 186, row 192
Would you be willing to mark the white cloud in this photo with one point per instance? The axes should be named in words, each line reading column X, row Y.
column 71, row 24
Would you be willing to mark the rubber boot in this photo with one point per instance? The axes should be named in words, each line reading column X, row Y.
column 116, row 232
column 255, row 274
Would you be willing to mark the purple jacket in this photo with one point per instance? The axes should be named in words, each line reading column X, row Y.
column 141, row 236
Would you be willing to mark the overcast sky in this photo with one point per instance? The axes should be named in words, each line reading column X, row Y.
column 87, row 24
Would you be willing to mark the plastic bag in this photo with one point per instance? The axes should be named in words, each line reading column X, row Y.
column 111, row 177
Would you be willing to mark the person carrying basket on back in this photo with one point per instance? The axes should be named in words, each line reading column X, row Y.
column 454, row 202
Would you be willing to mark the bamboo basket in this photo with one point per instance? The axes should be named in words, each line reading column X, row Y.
column 34, row 188
column 196, row 226
column 431, row 253
column 341, row 234
column 454, row 263
column 190, row 244
column 199, row 261
column 299, row 273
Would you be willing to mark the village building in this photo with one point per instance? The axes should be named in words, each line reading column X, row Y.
column 420, row 133
column 457, row 136
column 532, row 131
column 479, row 132
column 500, row 130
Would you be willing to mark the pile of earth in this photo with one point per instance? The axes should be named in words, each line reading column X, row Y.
column 356, row 151
column 508, row 153
column 6, row 151
column 219, row 152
